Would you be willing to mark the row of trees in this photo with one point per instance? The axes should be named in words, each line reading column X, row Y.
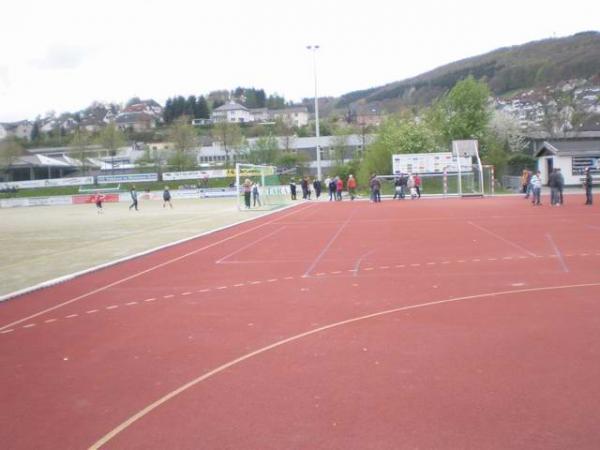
column 201, row 107
column 465, row 112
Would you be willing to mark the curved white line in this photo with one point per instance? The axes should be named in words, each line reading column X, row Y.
column 148, row 409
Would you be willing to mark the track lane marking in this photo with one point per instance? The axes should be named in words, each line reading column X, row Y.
column 151, row 407
column 153, row 268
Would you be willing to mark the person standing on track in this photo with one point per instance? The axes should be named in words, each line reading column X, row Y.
column 536, row 185
column 332, row 186
column 167, row 197
column 587, row 184
column 375, row 189
column 560, row 186
column 339, row 187
column 351, row 186
column 418, row 184
column 317, row 186
column 134, row 199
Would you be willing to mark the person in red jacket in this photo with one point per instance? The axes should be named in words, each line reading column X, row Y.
column 351, row 186
column 339, row 187
column 418, row 184
column 98, row 199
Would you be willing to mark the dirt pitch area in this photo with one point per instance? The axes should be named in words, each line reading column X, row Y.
column 43, row 243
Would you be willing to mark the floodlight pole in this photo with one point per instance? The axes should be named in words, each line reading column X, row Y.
column 314, row 49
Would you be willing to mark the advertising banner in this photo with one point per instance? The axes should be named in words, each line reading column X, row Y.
column 429, row 163
column 128, row 178
column 193, row 175
column 51, row 182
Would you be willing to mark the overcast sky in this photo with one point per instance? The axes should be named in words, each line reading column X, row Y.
column 61, row 55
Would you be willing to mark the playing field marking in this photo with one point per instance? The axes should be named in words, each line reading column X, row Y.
column 161, row 401
column 329, row 244
column 169, row 296
column 150, row 299
column 29, row 325
column 92, row 311
column 359, row 261
column 71, row 316
column 112, row 307
column 497, row 236
column 131, row 303
column 50, row 320
column 247, row 246
column 563, row 264
column 145, row 271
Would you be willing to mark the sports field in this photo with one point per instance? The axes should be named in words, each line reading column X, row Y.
column 46, row 242
column 442, row 323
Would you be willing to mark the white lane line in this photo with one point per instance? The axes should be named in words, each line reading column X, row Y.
column 201, row 291
column 150, row 299
column 460, row 260
column 497, row 236
column 400, row 266
column 329, row 244
column 162, row 400
column 368, row 268
column 272, row 280
column 70, row 316
column 476, row 260
column 29, row 325
column 415, row 265
column 431, row 264
column 288, row 278
column 150, row 269
column 220, row 288
column 445, row 262
column 492, row 259
column 384, row 267
column 245, row 247
column 168, row 296
column 92, row 311
column 336, row 272
column 50, row 320
column 235, row 285
column 563, row 264
column 112, row 307
column 10, row 330
column 131, row 303
column 186, row 293
column 254, row 282
column 320, row 274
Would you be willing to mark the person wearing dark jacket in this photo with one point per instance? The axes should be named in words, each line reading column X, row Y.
column 304, row 186
column 587, row 183
column 317, row 186
column 332, row 189
column 293, row 189
column 560, row 186
column 553, row 185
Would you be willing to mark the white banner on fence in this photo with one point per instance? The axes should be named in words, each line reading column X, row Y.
column 194, row 175
column 35, row 201
column 429, row 163
column 128, row 178
column 51, row 182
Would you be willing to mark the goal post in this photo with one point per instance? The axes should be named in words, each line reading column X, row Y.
column 259, row 187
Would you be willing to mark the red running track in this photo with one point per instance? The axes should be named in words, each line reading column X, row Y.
column 408, row 324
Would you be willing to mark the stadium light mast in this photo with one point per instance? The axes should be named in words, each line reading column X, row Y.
column 313, row 49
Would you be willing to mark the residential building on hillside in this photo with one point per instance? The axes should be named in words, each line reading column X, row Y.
column 231, row 112
column 136, row 121
column 150, row 107
column 21, row 129
column 294, row 116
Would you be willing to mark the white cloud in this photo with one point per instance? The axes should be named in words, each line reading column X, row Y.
column 64, row 54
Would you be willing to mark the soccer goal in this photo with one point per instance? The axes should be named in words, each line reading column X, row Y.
column 259, row 187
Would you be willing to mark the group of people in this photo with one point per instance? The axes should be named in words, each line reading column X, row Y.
column 334, row 186
column 99, row 198
column 251, row 193
column 410, row 184
column 531, row 185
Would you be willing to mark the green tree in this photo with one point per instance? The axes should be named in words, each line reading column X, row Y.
column 264, row 150
column 396, row 135
column 290, row 160
column 184, row 139
column 229, row 135
column 80, row 140
column 111, row 138
column 10, row 151
column 463, row 113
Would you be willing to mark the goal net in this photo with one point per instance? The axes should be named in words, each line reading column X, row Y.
column 442, row 184
column 259, row 187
